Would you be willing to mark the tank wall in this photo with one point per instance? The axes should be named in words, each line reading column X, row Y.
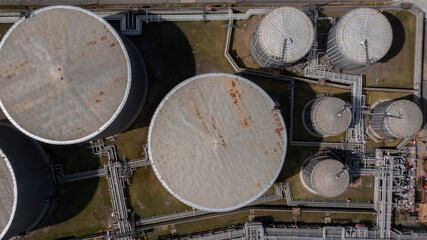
column 31, row 171
column 308, row 170
column 309, row 117
column 137, row 93
column 261, row 58
column 378, row 120
column 335, row 55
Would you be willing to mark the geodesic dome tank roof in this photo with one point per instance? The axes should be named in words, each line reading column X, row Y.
column 287, row 27
column 364, row 33
column 216, row 142
column 65, row 74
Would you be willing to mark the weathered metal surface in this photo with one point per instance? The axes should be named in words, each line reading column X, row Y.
column 327, row 116
column 361, row 35
column 216, row 142
column 396, row 119
column 283, row 37
column 65, row 74
column 325, row 176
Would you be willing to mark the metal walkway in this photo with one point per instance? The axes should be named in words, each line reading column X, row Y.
column 131, row 24
column 258, row 231
column 97, row 148
column 324, row 204
column 116, row 184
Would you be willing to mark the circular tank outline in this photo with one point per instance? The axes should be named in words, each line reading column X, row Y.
column 319, row 101
column 15, row 195
column 126, row 94
column 165, row 185
column 301, row 172
column 304, row 123
column 323, row 158
column 391, row 127
column 262, row 50
column 342, row 40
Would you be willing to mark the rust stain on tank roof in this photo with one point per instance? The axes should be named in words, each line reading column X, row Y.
column 236, row 97
column 277, row 122
column 91, row 43
column 193, row 105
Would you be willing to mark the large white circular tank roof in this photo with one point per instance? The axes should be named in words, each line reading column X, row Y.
column 286, row 30
column 216, row 142
column 65, row 75
column 364, row 33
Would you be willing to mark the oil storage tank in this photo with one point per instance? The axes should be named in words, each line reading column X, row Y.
column 326, row 116
column 325, row 176
column 67, row 77
column 361, row 37
column 24, row 182
column 217, row 142
column 283, row 37
column 396, row 119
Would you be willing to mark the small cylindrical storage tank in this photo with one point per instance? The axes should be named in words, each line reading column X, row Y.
column 24, row 182
column 396, row 119
column 66, row 76
column 325, row 176
column 326, row 116
column 362, row 36
column 216, row 142
column 283, row 37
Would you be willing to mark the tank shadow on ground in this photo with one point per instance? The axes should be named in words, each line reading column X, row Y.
column 280, row 92
column 168, row 59
column 70, row 200
column 398, row 37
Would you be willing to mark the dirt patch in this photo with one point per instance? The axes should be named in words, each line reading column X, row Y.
column 358, row 183
column 422, row 213
column 240, row 46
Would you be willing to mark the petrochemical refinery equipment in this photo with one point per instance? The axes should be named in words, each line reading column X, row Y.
column 67, row 77
column 24, row 183
column 361, row 37
column 325, row 176
column 396, row 119
column 217, row 142
column 283, row 37
column 326, row 116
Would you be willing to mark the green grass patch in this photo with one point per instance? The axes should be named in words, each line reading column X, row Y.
column 131, row 144
column 81, row 208
column 319, row 217
column 396, row 69
column 149, row 197
column 373, row 97
column 207, row 41
column 3, row 28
